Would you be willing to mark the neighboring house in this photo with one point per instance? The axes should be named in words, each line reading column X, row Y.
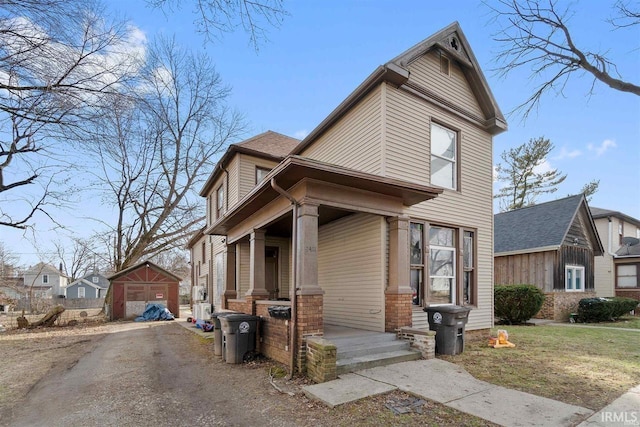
column 618, row 272
column 551, row 245
column 93, row 286
column 384, row 208
column 45, row 281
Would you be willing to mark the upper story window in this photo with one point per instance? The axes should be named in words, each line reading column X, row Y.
column 45, row 278
column 444, row 143
column 261, row 173
column 219, row 201
column 95, row 279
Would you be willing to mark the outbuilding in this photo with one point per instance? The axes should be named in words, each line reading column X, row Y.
column 134, row 287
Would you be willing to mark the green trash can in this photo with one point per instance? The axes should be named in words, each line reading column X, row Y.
column 449, row 322
column 238, row 336
column 217, row 331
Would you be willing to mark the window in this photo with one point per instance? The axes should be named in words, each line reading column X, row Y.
column 416, row 243
column 261, row 173
column 468, row 268
column 81, row 292
column 220, row 285
column 574, row 278
column 45, row 279
column 95, row 279
column 627, row 276
column 445, row 65
column 442, row 269
column 443, row 157
column 219, row 201
column 204, row 252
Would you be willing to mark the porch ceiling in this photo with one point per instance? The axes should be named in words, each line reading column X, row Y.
column 295, row 169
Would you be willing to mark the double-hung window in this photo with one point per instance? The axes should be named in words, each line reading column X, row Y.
column 574, row 278
column 444, row 147
column 219, row 202
column 81, row 292
column 261, row 173
column 416, row 255
column 468, row 268
column 45, row 279
column 627, row 275
column 442, row 265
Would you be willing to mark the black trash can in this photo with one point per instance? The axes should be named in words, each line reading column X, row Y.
column 217, row 331
column 449, row 322
column 238, row 336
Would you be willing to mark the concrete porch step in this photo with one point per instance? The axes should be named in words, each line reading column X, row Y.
column 357, row 363
column 354, row 350
column 363, row 339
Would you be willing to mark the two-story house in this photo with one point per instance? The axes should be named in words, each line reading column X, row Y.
column 383, row 209
column 45, row 281
column 617, row 273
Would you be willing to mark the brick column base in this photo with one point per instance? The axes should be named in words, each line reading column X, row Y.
column 251, row 306
column 321, row 360
column 309, row 322
column 397, row 311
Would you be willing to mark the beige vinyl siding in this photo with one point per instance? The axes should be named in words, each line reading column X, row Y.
column 351, row 262
column 454, row 87
column 233, row 193
column 603, row 273
column 242, row 271
column 247, row 172
column 284, row 263
column 407, row 157
column 355, row 140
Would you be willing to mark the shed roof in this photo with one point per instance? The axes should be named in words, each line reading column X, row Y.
column 539, row 226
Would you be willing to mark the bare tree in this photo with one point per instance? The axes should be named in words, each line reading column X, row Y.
column 155, row 151
column 78, row 257
column 57, row 60
column 536, row 35
column 216, row 17
column 524, row 176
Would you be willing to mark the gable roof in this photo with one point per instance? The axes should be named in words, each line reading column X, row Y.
column 395, row 72
column 598, row 213
column 103, row 282
column 539, row 227
column 267, row 145
column 144, row 263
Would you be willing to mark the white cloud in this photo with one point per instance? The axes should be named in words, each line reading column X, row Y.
column 301, row 134
column 602, row 148
column 567, row 154
column 543, row 167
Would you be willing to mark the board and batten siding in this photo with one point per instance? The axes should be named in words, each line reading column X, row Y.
column 534, row 268
column 407, row 157
column 351, row 265
column 247, row 172
column 355, row 140
column 454, row 87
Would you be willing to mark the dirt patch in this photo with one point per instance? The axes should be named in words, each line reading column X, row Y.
column 131, row 374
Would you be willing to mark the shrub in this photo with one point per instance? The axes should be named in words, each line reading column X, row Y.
column 604, row 309
column 517, row 303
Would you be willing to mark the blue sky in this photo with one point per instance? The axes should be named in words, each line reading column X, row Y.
column 324, row 49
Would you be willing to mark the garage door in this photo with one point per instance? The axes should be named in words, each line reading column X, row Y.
column 137, row 296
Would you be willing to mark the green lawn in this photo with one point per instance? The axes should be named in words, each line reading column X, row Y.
column 589, row 367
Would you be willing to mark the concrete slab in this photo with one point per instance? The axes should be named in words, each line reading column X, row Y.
column 434, row 379
column 624, row 411
column 518, row 409
column 347, row 388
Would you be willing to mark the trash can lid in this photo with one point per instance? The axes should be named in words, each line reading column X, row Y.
column 239, row 317
column 449, row 308
column 222, row 313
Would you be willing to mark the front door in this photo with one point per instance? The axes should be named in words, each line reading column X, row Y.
column 271, row 272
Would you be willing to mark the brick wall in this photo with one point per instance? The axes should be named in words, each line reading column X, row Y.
column 274, row 335
column 398, row 311
column 239, row 305
column 424, row 341
column 321, row 360
column 558, row 305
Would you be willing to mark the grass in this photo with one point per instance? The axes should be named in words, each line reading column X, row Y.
column 588, row 367
column 627, row 322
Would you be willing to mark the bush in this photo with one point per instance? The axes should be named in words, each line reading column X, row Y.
column 517, row 303
column 604, row 309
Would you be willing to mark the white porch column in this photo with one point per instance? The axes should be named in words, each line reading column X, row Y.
column 307, row 250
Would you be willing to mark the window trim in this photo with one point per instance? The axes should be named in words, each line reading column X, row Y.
column 637, row 265
column 568, row 267
column 220, row 203
column 81, row 288
column 473, row 297
column 45, row 279
column 456, row 161
column 420, row 293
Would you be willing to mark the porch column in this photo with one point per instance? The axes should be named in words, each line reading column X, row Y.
column 309, row 295
column 257, row 289
column 229, row 276
column 398, row 295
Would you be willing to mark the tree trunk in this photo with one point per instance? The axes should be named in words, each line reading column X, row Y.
column 49, row 319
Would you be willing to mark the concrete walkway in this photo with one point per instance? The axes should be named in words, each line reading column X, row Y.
column 450, row 384
column 624, row 411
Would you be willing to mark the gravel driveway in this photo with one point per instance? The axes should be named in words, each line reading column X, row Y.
column 154, row 374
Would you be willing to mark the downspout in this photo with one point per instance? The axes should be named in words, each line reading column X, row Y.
column 292, row 288
column 610, row 242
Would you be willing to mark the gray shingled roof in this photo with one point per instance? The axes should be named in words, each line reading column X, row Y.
column 535, row 226
column 603, row 213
